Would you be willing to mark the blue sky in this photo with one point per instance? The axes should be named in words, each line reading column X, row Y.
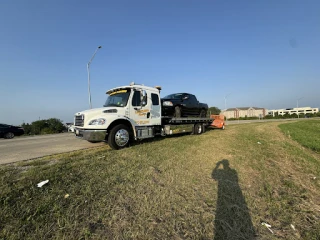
column 259, row 53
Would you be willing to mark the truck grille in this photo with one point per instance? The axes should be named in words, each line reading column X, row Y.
column 78, row 120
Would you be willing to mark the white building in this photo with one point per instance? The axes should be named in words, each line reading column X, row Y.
column 244, row 112
column 290, row 111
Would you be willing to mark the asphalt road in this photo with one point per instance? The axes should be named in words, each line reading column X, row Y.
column 24, row 148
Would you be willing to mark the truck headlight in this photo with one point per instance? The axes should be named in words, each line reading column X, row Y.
column 167, row 103
column 99, row 121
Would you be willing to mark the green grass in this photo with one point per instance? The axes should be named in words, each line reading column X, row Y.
column 218, row 185
column 307, row 133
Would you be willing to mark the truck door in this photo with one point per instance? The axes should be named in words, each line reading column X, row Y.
column 190, row 104
column 194, row 105
column 140, row 114
column 186, row 107
column 155, row 112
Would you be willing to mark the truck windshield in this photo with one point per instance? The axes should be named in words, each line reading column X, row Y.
column 174, row 96
column 118, row 99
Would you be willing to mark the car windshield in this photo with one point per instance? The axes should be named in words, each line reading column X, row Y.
column 118, row 98
column 174, row 96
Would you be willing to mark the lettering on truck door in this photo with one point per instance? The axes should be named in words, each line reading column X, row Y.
column 140, row 114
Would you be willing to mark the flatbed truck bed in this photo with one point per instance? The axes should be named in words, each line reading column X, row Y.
column 186, row 120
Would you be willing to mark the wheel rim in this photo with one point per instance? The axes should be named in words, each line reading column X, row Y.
column 199, row 129
column 10, row 135
column 122, row 137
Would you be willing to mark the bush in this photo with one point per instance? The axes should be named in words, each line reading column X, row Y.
column 48, row 126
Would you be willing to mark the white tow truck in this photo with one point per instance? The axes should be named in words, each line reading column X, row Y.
column 130, row 113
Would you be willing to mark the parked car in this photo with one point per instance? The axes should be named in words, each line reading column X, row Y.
column 183, row 105
column 71, row 129
column 9, row 131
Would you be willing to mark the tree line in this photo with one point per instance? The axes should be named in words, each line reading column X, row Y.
column 47, row 126
column 213, row 111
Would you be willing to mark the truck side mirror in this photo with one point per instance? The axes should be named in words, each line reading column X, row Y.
column 143, row 98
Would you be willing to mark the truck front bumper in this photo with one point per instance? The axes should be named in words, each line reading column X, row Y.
column 91, row 135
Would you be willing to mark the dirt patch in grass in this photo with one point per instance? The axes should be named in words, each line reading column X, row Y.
column 218, row 185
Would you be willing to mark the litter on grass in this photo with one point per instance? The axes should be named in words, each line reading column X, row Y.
column 40, row 184
column 66, row 196
column 267, row 226
column 259, row 142
column 292, row 226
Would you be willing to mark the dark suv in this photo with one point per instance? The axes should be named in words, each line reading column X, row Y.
column 9, row 131
column 183, row 105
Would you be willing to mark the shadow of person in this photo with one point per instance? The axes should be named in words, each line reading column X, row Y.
column 232, row 219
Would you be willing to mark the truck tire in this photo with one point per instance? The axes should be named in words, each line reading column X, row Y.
column 119, row 137
column 177, row 112
column 9, row 135
column 198, row 128
column 204, row 127
column 203, row 113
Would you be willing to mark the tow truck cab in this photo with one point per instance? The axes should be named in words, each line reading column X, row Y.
column 132, row 111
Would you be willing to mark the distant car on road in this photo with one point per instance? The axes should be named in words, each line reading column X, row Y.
column 183, row 105
column 9, row 131
column 71, row 129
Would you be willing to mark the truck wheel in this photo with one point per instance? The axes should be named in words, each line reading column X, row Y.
column 204, row 128
column 203, row 113
column 223, row 127
column 197, row 129
column 119, row 137
column 9, row 135
column 177, row 112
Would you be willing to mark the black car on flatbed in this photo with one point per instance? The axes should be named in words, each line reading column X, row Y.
column 9, row 131
column 183, row 105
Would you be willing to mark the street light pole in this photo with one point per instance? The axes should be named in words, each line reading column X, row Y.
column 88, row 70
column 298, row 105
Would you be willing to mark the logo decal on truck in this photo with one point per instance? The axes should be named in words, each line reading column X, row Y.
column 141, row 112
column 142, row 122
